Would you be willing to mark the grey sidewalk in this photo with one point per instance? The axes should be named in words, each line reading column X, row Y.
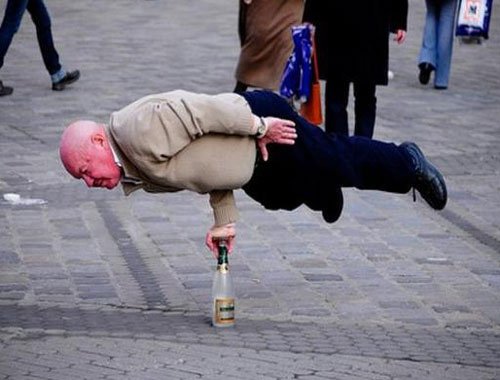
column 94, row 285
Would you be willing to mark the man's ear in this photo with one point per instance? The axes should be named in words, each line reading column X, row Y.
column 98, row 138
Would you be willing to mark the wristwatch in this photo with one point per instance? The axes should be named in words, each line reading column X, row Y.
column 261, row 129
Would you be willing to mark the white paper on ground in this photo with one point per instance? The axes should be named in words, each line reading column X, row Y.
column 16, row 199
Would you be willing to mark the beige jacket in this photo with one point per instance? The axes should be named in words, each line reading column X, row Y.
column 184, row 141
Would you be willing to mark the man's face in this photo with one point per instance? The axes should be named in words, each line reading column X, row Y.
column 98, row 168
column 94, row 163
column 86, row 154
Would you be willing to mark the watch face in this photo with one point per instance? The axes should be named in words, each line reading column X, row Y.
column 262, row 127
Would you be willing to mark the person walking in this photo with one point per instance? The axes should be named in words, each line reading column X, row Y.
column 254, row 141
column 14, row 11
column 437, row 42
column 265, row 35
column 352, row 47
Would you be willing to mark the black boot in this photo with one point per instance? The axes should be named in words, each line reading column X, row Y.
column 428, row 180
column 425, row 72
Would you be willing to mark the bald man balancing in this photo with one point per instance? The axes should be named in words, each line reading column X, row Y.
column 254, row 141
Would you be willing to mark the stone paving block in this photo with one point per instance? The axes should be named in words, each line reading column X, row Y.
column 7, row 370
column 13, row 287
column 9, row 257
column 52, row 290
column 12, row 295
column 166, row 373
column 25, row 367
column 311, row 312
column 73, row 373
column 243, row 375
column 468, row 323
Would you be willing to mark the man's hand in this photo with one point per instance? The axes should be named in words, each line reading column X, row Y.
column 279, row 131
column 400, row 36
column 226, row 232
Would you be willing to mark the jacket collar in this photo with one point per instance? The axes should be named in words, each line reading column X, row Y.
column 131, row 179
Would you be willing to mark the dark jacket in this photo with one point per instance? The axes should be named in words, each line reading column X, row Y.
column 352, row 37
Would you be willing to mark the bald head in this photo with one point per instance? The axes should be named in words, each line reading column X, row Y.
column 86, row 154
column 74, row 140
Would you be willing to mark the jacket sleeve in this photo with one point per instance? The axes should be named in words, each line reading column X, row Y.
column 164, row 124
column 398, row 15
column 189, row 116
column 224, row 207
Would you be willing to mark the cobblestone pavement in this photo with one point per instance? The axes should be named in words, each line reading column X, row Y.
column 94, row 285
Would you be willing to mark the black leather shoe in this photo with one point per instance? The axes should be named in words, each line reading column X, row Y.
column 428, row 180
column 425, row 72
column 332, row 209
column 331, row 215
column 70, row 77
column 5, row 90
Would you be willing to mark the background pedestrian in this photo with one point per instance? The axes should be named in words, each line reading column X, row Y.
column 437, row 42
column 14, row 12
column 266, row 41
column 352, row 47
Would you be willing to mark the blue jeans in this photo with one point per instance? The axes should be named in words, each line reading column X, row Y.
column 314, row 169
column 437, row 42
column 10, row 25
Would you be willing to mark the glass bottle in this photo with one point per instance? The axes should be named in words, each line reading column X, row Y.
column 223, row 291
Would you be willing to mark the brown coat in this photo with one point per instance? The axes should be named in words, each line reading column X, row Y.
column 184, row 141
column 266, row 40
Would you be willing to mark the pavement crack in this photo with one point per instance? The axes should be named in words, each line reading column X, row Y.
column 139, row 269
column 29, row 135
column 162, row 309
column 466, row 226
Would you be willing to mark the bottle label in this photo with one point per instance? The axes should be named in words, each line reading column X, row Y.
column 224, row 310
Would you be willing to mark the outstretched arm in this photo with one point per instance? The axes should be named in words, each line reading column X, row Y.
column 225, row 216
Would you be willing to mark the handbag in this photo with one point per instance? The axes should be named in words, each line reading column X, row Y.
column 473, row 19
column 311, row 108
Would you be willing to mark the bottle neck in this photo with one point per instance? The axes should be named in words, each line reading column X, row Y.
column 222, row 260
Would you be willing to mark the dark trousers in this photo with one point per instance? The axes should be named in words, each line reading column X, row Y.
column 10, row 25
column 365, row 107
column 319, row 164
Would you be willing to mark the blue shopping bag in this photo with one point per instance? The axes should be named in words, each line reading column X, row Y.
column 296, row 78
